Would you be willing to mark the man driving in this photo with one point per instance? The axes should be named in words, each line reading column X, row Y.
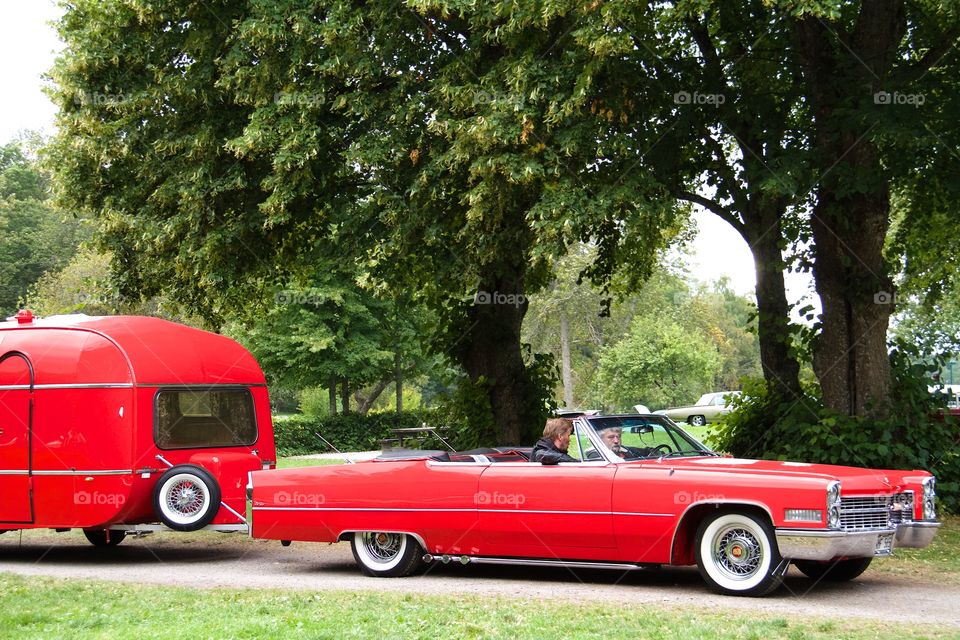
column 612, row 437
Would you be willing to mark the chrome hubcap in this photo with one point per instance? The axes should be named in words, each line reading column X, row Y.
column 737, row 552
column 185, row 498
column 382, row 547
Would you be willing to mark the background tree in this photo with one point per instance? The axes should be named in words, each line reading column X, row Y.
column 34, row 237
column 659, row 363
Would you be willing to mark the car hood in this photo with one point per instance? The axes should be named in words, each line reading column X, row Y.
column 852, row 479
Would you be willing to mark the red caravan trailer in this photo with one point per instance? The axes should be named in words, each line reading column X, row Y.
column 112, row 424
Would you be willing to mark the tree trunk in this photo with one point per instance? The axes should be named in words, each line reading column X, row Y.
column 345, row 396
column 365, row 402
column 764, row 235
column 851, row 213
column 491, row 355
column 398, row 380
column 850, row 355
column 333, row 398
column 565, row 358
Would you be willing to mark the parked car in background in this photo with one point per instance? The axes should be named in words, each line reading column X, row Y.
column 661, row 498
column 127, row 424
column 707, row 409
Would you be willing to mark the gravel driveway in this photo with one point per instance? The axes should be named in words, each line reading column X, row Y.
column 232, row 560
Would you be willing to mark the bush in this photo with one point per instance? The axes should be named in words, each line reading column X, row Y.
column 915, row 436
column 348, row 431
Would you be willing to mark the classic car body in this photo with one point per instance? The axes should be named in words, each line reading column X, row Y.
column 707, row 409
column 113, row 424
column 670, row 501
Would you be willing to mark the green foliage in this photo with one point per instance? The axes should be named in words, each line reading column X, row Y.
column 34, row 237
column 658, row 363
column 350, row 431
column 915, row 436
column 717, row 319
column 315, row 402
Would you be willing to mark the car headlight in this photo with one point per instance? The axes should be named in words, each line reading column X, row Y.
column 833, row 505
column 930, row 498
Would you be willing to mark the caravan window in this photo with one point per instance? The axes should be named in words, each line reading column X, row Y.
column 189, row 418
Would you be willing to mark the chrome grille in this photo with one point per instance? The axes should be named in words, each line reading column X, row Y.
column 867, row 513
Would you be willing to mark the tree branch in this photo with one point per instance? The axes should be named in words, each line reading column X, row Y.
column 714, row 207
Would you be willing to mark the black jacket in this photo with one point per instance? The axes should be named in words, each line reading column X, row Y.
column 547, row 453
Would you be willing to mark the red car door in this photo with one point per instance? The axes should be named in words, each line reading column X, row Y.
column 546, row 511
column 16, row 378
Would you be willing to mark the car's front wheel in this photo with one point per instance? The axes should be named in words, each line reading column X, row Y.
column 696, row 421
column 386, row 555
column 737, row 554
column 839, row 571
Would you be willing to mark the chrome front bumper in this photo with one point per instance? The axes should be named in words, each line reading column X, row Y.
column 820, row 544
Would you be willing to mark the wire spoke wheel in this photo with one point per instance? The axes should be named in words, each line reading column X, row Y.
column 385, row 554
column 737, row 554
column 383, row 547
column 186, row 498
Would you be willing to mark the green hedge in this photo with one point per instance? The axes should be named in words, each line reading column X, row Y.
column 348, row 431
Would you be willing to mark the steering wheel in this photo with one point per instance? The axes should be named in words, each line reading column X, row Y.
column 665, row 448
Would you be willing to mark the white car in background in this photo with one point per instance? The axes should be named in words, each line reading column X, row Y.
column 707, row 409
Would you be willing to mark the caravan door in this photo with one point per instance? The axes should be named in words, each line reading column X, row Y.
column 16, row 412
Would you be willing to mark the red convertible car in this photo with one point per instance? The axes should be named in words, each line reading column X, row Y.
column 664, row 498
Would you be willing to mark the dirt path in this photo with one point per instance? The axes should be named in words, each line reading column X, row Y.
column 231, row 560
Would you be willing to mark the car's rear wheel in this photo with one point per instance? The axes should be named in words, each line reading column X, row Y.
column 737, row 554
column 186, row 497
column 839, row 571
column 386, row 555
column 696, row 421
column 99, row 537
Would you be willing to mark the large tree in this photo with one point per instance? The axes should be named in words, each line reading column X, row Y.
column 229, row 145
column 793, row 121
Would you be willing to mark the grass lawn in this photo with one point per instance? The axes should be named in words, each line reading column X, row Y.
column 939, row 563
column 48, row 608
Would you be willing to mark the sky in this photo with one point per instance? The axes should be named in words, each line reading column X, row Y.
column 28, row 46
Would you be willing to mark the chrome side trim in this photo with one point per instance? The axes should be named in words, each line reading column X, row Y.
column 88, row 472
column 14, row 472
column 567, row 564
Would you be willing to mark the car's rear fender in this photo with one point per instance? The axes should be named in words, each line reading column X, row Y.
column 681, row 550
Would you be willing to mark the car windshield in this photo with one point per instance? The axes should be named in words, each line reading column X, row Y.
column 636, row 437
